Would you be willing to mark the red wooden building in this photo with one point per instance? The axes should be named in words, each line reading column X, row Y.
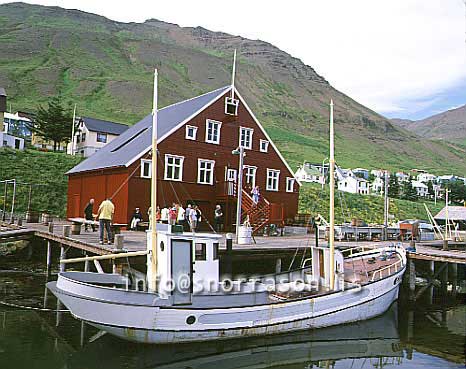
column 195, row 164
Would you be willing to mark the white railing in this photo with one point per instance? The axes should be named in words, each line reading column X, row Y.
column 360, row 250
column 388, row 267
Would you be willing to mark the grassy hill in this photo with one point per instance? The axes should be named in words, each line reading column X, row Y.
column 367, row 208
column 106, row 68
column 45, row 170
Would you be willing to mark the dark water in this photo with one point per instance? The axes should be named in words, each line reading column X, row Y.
column 427, row 334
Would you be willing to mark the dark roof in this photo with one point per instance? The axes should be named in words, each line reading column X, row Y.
column 97, row 125
column 2, row 91
column 136, row 140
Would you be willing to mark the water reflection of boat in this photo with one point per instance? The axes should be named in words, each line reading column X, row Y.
column 372, row 338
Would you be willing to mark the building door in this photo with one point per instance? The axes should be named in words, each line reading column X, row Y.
column 17, row 144
column 182, row 271
column 230, row 179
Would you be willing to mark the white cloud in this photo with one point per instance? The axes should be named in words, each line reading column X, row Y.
column 391, row 55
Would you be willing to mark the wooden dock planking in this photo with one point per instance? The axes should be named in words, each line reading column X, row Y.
column 265, row 247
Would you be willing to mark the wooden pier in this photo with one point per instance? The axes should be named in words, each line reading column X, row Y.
column 263, row 248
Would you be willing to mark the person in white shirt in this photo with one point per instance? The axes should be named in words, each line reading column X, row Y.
column 186, row 216
column 181, row 215
column 193, row 220
column 164, row 215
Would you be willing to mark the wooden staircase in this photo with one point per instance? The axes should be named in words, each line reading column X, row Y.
column 259, row 214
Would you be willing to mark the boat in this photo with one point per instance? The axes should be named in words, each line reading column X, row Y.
column 183, row 297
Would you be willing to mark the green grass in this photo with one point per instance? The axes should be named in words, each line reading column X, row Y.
column 368, row 208
column 44, row 169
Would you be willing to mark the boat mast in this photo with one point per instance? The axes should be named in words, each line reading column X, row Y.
column 152, row 258
column 331, row 235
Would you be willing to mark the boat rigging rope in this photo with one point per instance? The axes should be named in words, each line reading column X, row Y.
column 9, row 304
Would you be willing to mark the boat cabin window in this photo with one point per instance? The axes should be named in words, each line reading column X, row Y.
column 200, row 251
column 215, row 256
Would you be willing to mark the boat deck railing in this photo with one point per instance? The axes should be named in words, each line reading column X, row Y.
column 396, row 266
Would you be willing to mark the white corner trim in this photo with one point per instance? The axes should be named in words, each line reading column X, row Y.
column 265, row 134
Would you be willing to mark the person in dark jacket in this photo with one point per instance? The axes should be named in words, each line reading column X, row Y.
column 88, row 214
column 135, row 219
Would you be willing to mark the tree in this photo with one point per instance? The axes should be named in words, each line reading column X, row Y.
column 393, row 187
column 408, row 191
column 53, row 123
column 457, row 192
column 430, row 189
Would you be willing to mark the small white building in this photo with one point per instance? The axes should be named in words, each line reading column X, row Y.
column 7, row 140
column 421, row 188
column 353, row 184
column 93, row 134
column 402, row 177
column 426, row 177
column 307, row 173
column 361, row 172
column 377, row 185
column 378, row 173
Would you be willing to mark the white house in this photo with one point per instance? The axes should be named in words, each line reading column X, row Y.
column 361, row 172
column 377, row 185
column 425, row 177
column 421, row 188
column 308, row 173
column 378, row 173
column 353, row 184
column 7, row 140
column 93, row 134
column 402, row 177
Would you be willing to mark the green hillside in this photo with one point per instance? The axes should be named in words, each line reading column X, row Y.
column 367, row 208
column 106, row 68
column 45, row 170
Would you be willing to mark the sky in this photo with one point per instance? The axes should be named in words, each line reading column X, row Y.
column 401, row 58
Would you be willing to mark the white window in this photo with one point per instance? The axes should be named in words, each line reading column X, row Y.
column 250, row 175
column 191, row 132
column 289, row 184
column 264, row 145
column 146, row 168
column 245, row 137
column 205, row 171
column 212, row 131
column 272, row 179
column 231, row 106
column 173, row 167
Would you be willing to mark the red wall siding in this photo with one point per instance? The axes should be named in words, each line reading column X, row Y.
column 99, row 185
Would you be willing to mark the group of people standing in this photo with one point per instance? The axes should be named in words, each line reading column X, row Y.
column 188, row 218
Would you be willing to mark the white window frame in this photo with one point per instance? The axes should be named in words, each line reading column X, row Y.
column 246, row 129
column 230, row 101
column 212, row 169
column 187, row 136
column 209, row 121
column 165, row 174
column 266, row 148
column 143, row 162
column 290, row 184
column 271, row 175
column 247, row 174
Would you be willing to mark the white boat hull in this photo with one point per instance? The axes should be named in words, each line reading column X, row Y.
column 159, row 324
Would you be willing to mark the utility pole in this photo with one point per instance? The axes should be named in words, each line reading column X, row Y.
column 385, row 207
column 72, row 130
column 239, row 189
column 331, row 235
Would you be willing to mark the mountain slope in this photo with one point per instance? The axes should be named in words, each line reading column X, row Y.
column 449, row 125
column 106, row 67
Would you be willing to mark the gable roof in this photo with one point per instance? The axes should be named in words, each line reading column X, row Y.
column 136, row 140
column 98, row 125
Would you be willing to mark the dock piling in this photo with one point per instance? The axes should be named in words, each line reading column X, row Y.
column 62, row 256
column 66, row 230
column 49, row 257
